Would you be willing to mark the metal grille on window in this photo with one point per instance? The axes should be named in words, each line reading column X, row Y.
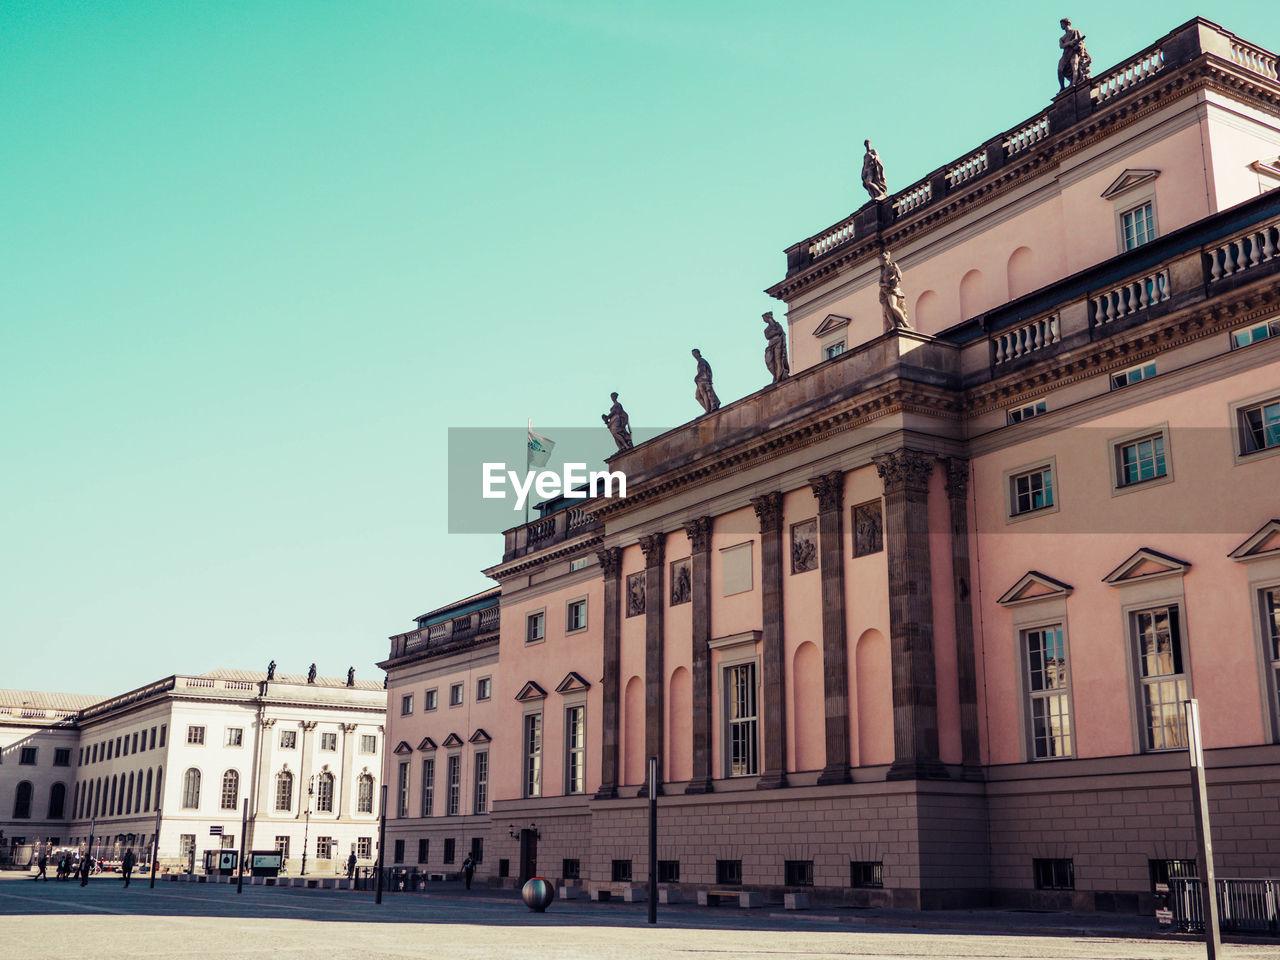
column 1164, row 686
column 1047, row 688
column 742, row 720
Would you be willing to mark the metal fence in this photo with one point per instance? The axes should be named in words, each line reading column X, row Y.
column 1242, row 904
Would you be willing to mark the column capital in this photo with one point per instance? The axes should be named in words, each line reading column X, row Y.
column 610, row 559
column 905, row 470
column 348, row 727
column 957, row 477
column 307, row 724
column 699, row 533
column 828, row 490
column 654, row 546
column 768, row 510
column 268, row 721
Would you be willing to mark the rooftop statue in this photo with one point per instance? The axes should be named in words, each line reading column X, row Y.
column 311, row 674
column 351, row 676
column 619, row 424
column 873, row 173
column 1074, row 64
column 704, row 392
column 892, row 299
column 775, row 354
column 271, row 670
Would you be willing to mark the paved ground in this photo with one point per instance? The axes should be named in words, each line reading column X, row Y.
column 61, row 920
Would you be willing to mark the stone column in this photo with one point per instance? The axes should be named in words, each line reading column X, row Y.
column 774, row 730
column 906, row 476
column 828, row 490
column 654, row 547
column 611, row 568
column 266, row 774
column 699, row 532
column 347, row 773
column 304, row 762
column 966, row 653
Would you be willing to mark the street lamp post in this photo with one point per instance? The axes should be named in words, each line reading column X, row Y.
column 306, row 830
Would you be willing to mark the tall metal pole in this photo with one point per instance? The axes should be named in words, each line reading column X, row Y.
column 88, row 850
column 244, row 827
column 155, row 848
column 1204, row 839
column 653, row 839
column 382, row 841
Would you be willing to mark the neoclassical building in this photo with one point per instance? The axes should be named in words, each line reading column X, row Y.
column 913, row 625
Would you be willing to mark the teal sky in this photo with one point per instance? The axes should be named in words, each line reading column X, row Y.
column 257, row 258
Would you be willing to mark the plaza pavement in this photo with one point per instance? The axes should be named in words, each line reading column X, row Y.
column 62, row 920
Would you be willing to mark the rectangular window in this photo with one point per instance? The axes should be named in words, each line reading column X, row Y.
column 187, row 845
column 119, row 754
column 324, row 848
column 736, row 574
column 402, row 789
column 234, row 737
column 455, row 695
column 27, row 756
column 1249, row 335
column 1141, row 460
column 455, row 785
column 424, row 847
column 576, row 616
column 504, row 867
column 1018, row 414
column 228, row 841
column 797, row 873
column 477, row 849
column 364, row 848
column 1259, row 427
column 728, row 873
column 481, row 791
column 62, row 757
column 1134, row 374
column 288, row 739
column 575, row 749
column 1271, row 638
column 833, row 350
column 1031, row 491
column 398, row 851
column 621, row 871
column 742, row 720
column 428, row 785
column 430, row 699
column 153, row 739
column 135, row 743
column 1139, row 226
column 1053, row 874
column 450, row 848
column 406, row 705
column 533, row 755
column 93, row 754
column 866, row 873
column 484, row 688
column 108, row 749
column 164, row 729
column 668, row 871
column 579, row 564
column 1161, row 678
column 195, row 735
column 1047, row 692
column 368, row 743
column 282, row 846
column 570, row 869
column 535, row 627
column 329, row 741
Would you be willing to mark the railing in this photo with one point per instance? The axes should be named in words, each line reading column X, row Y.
column 489, row 618
column 542, row 529
column 1242, row 904
column 1259, row 245
column 1130, row 75
column 1028, row 338
column 825, row 243
column 239, row 684
column 438, row 631
column 967, row 169
column 199, row 682
column 1131, row 297
column 1026, row 136
column 909, row 200
column 1254, row 58
column 578, row 517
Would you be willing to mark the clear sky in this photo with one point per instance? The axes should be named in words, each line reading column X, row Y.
column 256, row 258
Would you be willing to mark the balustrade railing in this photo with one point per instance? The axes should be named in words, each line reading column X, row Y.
column 967, row 169
column 239, row 684
column 1131, row 297
column 578, row 517
column 1028, row 338
column 199, row 682
column 1026, row 136
column 1243, row 904
column 1130, row 75
column 825, row 243
column 542, row 529
column 910, row 199
column 1254, row 58
column 490, row 618
column 1260, row 245
column 438, row 631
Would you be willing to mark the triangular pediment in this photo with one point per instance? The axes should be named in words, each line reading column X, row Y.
column 452, row 740
column 480, row 736
column 531, row 691
column 402, row 748
column 1034, row 586
column 1264, row 543
column 427, row 744
column 1128, row 180
column 1147, row 564
column 830, row 325
column 572, row 683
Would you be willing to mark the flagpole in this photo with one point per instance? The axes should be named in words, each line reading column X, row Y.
column 528, row 465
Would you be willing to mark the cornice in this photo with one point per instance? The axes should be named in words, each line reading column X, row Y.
column 541, row 558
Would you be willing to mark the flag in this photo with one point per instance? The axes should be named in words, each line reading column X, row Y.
column 539, row 449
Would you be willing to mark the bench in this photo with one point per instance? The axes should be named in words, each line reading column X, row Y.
column 570, row 890
column 746, row 899
column 795, row 901
column 625, row 891
column 669, row 895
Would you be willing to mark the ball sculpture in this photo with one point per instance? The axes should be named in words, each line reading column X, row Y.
column 538, row 894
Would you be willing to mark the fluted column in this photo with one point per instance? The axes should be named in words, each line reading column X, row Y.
column 346, row 774
column 774, row 731
column 654, row 547
column 828, row 490
column 266, row 773
column 304, row 761
column 906, row 476
column 966, row 653
column 699, row 532
column 611, row 568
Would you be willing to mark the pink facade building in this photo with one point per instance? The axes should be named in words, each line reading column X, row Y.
column 914, row 624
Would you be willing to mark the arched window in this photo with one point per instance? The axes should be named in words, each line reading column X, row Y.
column 75, row 803
column 284, row 790
column 128, row 796
column 159, row 781
column 146, row 803
column 364, row 795
column 230, row 790
column 324, row 793
column 191, row 789
column 57, row 801
column 22, row 801
column 111, row 801
column 137, row 800
column 97, row 796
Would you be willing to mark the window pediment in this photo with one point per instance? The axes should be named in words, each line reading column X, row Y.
column 531, row 691
column 480, row 736
column 402, row 748
column 831, row 324
column 1033, row 586
column 452, row 740
column 427, row 744
column 572, row 683
column 1264, row 543
column 1147, row 564
column 1127, row 181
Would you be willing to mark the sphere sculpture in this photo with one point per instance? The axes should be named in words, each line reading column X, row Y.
column 538, row 894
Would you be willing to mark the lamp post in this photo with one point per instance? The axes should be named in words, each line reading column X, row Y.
column 306, row 830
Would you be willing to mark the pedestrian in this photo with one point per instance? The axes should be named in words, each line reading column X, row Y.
column 64, row 867
column 42, row 863
column 126, row 865
column 84, row 870
column 468, row 869
column 351, row 866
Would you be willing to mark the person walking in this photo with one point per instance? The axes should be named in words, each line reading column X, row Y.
column 127, row 864
column 351, row 866
column 42, row 864
column 85, row 861
column 468, row 869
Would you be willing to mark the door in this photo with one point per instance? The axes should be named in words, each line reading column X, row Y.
column 528, row 854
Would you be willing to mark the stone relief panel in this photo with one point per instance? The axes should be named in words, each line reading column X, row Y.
column 681, row 582
column 804, row 546
column 635, row 594
column 868, row 528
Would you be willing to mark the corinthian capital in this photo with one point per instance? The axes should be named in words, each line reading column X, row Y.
column 957, row 478
column 654, row 546
column 610, row 562
column 768, row 511
column 828, row 490
column 905, row 470
column 699, row 532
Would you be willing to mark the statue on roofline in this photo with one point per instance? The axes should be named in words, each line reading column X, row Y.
column 1074, row 64
column 619, row 424
column 775, row 353
column 873, row 173
column 892, row 298
column 704, row 392
column 311, row 674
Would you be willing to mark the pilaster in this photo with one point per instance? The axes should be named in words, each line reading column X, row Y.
column 699, row 533
column 611, row 569
column 654, row 547
column 966, row 653
column 347, row 774
column 768, row 510
column 828, row 490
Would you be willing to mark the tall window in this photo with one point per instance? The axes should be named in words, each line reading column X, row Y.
column 324, row 848
column 481, row 792
column 284, row 790
column 1139, row 226
column 324, row 793
column 159, row 781
column 234, row 737
column 364, row 847
column 455, row 786
column 368, row 743
column 743, row 719
column 1271, row 637
column 282, row 846
column 1161, row 677
column 428, row 785
column 1260, row 427
column 575, row 744
column 187, row 846
column 1047, row 687
column 535, row 627
column 455, row 695
column 402, row 789
column 128, row 795
column 1031, row 491
column 146, row 800
column 1141, row 460
column 364, row 794
column 190, row 789
column 22, row 801
column 576, row 618
column 533, row 755
column 230, row 790
column 406, row 705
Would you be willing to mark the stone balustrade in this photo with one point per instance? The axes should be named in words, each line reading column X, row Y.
column 1131, row 297
column 1260, row 245
column 1026, row 136
column 826, row 242
column 1116, row 82
column 967, row 169
column 1017, row 342
column 913, row 198
column 1254, row 58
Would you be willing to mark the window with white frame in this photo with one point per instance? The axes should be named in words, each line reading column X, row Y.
column 1143, row 371
column 230, row 789
column 455, row 695
column 536, row 627
column 430, row 699
column 364, row 793
column 1140, row 459
column 454, row 777
column 364, row 848
column 832, row 350
column 1048, row 687
column 1270, row 619
column 484, row 688
column 1138, row 225
column 742, row 720
column 1031, row 490
column 1162, row 679
column 532, row 742
column 288, row 739
column 329, row 741
column 368, row 743
column 480, row 795
column 1263, row 330
column 284, row 790
column 576, row 615
column 191, row 789
column 1027, row 411
column 575, row 749
column 428, row 785
column 234, row 737
column 1259, row 426
column 324, row 848
column 324, row 792
column 406, row 705
column 402, row 789
column 195, row 736
column 578, row 563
